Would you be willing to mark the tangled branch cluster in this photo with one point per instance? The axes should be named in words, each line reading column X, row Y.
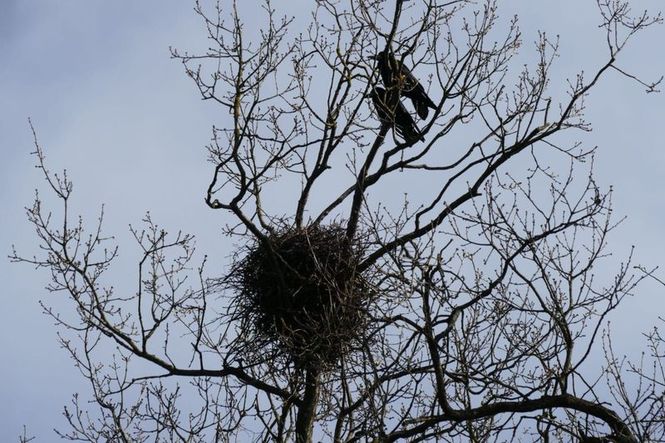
column 300, row 290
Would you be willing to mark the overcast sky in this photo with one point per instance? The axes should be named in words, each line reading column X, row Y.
column 110, row 106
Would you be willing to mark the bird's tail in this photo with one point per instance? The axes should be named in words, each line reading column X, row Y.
column 411, row 134
column 421, row 108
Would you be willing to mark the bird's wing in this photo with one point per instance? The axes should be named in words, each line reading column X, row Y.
column 405, row 125
column 410, row 82
column 413, row 89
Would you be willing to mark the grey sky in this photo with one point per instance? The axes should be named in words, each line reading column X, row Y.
column 111, row 107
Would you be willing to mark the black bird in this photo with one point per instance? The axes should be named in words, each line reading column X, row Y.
column 397, row 76
column 392, row 111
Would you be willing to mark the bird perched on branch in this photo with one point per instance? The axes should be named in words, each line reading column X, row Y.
column 397, row 76
column 391, row 111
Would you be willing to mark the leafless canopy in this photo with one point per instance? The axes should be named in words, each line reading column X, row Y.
column 480, row 244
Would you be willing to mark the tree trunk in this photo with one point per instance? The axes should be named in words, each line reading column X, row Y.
column 306, row 411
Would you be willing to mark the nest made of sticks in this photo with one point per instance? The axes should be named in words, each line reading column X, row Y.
column 300, row 291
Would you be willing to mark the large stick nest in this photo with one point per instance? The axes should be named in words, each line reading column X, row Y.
column 300, row 291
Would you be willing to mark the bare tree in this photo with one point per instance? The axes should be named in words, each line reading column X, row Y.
column 468, row 311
